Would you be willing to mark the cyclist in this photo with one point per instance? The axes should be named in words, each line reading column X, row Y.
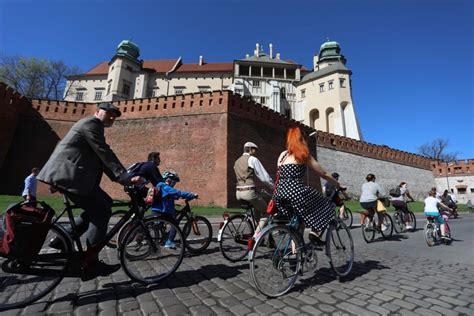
column 315, row 210
column 166, row 204
column 432, row 208
column 75, row 168
column 246, row 168
column 371, row 192
column 332, row 193
column 399, row 203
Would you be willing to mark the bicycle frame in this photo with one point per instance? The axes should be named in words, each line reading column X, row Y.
column 76, row 256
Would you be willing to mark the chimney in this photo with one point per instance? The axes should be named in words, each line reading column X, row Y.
column 201, row 60
column 278, row 56
column 271, row 50
column 257, row 50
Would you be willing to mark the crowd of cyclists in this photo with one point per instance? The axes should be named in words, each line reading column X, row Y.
column 82, row 156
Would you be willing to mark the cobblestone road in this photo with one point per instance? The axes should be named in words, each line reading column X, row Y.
column 383, row 281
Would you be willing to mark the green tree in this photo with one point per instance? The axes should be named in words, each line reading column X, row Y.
column 36, row 78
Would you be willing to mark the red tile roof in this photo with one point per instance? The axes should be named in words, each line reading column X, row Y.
column 165, row 65
column 207, row 67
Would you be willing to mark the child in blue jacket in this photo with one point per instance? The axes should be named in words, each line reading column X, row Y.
column 168, row 195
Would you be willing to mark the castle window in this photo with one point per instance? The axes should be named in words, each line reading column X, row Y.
column 256, row 83
column 330, row 85
column 129, row 68
column 79, row 96
column 321, row 87
column 244, row 70
column 108, row 87
column 98, row 95
column 303, row 93
column 179, row 90
column 341, row 82
column 263, row 100
column 126, row 89
column 290, row 74
column 204, row 88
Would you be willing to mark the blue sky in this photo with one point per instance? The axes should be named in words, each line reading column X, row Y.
column 412, row 61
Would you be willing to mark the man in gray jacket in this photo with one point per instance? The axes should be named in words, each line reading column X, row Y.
column 76, row 167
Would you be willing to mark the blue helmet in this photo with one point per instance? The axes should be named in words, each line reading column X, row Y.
column 171, row 175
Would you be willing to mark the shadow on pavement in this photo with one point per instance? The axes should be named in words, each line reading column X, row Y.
column 326, row 275
column 127, row 289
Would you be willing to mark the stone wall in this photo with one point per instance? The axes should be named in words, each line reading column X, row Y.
column 353, row 169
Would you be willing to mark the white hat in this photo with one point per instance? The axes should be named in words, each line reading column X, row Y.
column 250, row 145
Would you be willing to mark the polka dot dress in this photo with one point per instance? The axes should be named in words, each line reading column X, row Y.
column 315, row 210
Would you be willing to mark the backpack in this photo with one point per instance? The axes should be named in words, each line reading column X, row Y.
column 25, row 229
column 395, row 192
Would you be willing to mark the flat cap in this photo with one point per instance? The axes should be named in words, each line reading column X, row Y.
column 109, row 107
column 250, row 145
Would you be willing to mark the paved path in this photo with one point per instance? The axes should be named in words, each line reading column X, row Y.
column 402, row 276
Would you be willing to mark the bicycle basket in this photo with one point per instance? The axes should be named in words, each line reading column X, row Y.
column 26, row 227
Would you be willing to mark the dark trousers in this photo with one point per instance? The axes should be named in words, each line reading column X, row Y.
column 97, row 208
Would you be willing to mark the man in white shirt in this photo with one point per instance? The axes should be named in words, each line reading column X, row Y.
column 246, row 168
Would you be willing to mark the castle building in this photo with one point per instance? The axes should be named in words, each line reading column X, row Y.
column 321, row 98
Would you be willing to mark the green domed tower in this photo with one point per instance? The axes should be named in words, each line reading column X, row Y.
column 129, row 50
column 330, row 51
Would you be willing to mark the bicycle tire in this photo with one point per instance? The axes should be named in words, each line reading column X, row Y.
column 368, row 232
column 200, row 237
column 428, row 233
column 274, row 270
column 388, row 222
column 233, row 241
column 114, row 218
column 340, row 248
column 159, row 262
column 413, row 221
column 20, row 290
column 348, row 218
column 398, row 222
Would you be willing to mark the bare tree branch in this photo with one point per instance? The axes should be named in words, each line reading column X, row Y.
column 437, row 150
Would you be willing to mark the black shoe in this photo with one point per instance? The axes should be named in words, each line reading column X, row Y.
column 315, row 239
column 98, row 268
column 56, row 243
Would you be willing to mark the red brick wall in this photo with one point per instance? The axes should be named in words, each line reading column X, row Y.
column 453, row 168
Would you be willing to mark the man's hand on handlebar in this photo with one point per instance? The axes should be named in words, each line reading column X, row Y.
column 137, row 180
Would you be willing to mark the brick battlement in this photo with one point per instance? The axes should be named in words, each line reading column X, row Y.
column 453, row 169
column 214, row 102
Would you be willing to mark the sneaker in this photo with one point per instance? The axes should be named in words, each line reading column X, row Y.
column 384, row 227
column 408, row 227
column 170, row 244
column 99, row 268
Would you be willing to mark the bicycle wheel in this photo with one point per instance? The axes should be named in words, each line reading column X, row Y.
column 275, row 269
column 347, row 217
column 412, row 220
column 388, row 223
column 428, row 233
column 233, row 241
column 368, row 231
column 19, row 290
column 151, row 259
column 340, row 248
column 398, row 223
column 198, row 234
column 114, row 218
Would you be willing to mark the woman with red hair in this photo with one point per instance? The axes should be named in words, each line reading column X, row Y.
column 310, row 205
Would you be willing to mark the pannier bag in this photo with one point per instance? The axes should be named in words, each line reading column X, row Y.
column 26, row 227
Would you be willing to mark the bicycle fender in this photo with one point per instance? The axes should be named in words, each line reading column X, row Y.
column 219, row 233
column 257, row 237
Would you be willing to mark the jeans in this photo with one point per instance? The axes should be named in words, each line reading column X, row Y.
column 97, row 208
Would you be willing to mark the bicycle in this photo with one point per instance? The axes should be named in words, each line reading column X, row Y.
column 347, row 217
column 432, row 231
column 370, row 224
column 235, row 233
column 197, row 230
column 275, row 266
column 24, row 281
column 399, row 220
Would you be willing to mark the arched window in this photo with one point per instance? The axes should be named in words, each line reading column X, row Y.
column 314, row 118
column 330, row 120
